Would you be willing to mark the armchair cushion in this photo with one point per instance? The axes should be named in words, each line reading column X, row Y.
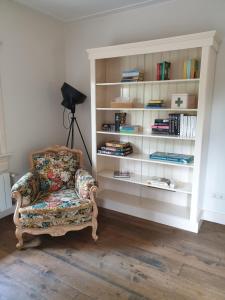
column 83, row 183
column 57, row 208
column 28, row 187
column 56, row 169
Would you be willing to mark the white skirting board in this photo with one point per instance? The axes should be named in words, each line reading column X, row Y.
column 5, row 195
column 213, row 216
column 7, row 212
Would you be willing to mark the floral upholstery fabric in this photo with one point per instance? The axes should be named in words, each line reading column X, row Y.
column 28, row 187
column 63, row 207
column 56, row 169
column 83, row 183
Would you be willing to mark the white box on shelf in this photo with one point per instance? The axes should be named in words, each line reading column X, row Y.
column 183, row 101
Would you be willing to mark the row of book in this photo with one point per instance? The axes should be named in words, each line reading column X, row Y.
column 191, row 69
column 163, row 71
column 177, row 124
column 132, row 75
column 116, row 148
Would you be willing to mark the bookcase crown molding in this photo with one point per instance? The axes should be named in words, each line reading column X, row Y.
column 203, row 39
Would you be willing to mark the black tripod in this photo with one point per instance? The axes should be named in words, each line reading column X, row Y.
column 71, row 135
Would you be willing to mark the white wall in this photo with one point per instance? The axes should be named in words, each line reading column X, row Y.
column 151, row 22
column 32, row 71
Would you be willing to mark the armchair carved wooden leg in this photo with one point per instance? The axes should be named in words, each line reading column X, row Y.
column 18, row 232
column 94, row 214
column 19, row 235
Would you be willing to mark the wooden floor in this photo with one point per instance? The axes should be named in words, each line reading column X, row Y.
column 133, row 259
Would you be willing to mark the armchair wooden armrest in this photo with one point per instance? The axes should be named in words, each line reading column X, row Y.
column 24, row 191
column 85, row 185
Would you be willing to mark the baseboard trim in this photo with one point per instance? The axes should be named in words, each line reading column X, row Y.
column 213, row 216
column 7, row 212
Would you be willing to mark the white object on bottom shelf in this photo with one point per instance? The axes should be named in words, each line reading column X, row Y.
column 180, row 187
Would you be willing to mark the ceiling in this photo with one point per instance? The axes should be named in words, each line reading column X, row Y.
column 73, row 10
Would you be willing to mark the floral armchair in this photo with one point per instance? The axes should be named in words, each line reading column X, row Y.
column 56, row 196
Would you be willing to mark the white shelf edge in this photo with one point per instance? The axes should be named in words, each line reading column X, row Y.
column 148, row 82
column 144, row 158
column 149, row 109
column 146, row 135
column 138, row 179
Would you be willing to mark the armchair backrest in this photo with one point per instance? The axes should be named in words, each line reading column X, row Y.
column 56, row 167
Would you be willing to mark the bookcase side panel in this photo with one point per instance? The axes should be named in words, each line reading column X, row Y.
column 202, row 130
column 93, row 115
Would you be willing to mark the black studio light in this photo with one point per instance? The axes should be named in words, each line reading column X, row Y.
column 72, row 97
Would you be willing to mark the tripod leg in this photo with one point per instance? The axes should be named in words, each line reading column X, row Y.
column 72, row 138
column 83, row 142
column 68, row 138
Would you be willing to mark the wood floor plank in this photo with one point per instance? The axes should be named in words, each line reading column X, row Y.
column 134, row 259
column 147, row 280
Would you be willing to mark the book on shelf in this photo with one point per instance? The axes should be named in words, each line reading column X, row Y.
column 119, row 145
column 161, row 126
column 191, row 69
column 163, row 71
column 116, row 153
column 132, row 75
column 177, row 125
column 183, row 125
column 121, row 174
column 172, row 157
column 130, row 129
column 161, row 182
column 155, row 103
column 120, row 119
column 116, row 148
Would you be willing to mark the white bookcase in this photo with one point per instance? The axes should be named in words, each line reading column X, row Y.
column 179, row 207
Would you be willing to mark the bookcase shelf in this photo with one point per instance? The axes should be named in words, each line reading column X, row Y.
column 145, row 158
column 179, row 207
column 152, row 209
column 149, row 82
column 181, row 187
column 148, row 109
column 153, row 136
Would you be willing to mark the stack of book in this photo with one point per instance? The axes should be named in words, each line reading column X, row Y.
column 172, row 157
column 161, row 126
column 129, row 129
column 132, row 75
column 116, row 148
column 163, row 71
column 155, row 103
column 182, row 125
column 191, row 69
